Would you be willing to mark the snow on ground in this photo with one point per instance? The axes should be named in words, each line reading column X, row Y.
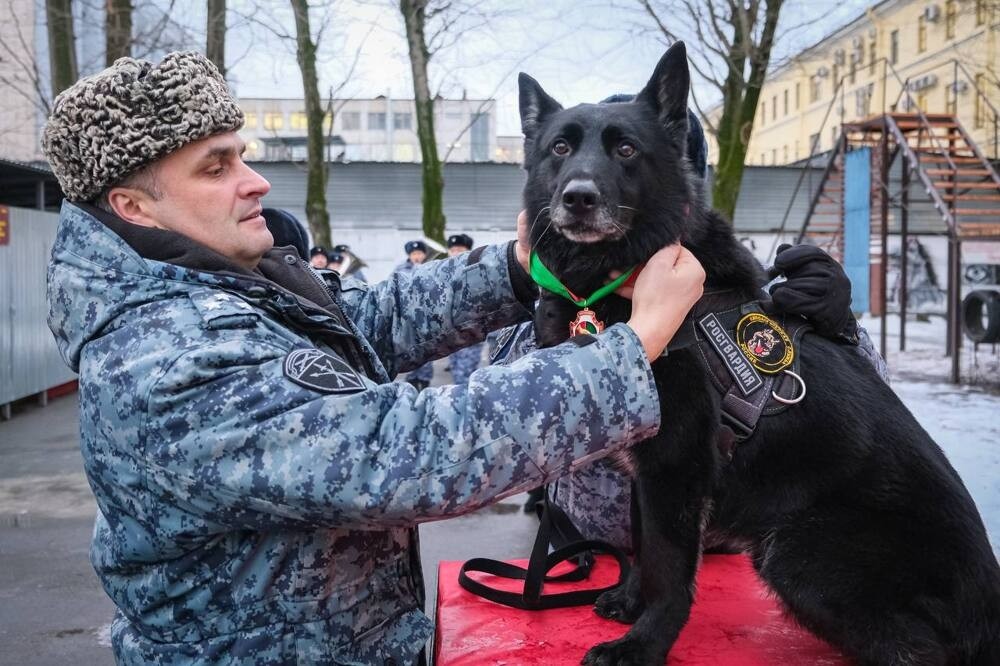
column 963, row 419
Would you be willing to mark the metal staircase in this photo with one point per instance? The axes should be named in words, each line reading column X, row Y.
column 961, row 183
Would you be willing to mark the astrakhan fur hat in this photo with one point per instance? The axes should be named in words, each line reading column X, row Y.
column 106, row 126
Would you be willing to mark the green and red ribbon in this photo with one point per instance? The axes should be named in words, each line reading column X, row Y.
column 545, row 279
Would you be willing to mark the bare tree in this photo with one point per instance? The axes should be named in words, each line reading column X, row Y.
column 62, row 45
column 415, row 16
column 215, row 34
column 316, row 212
column 117, row 30
column 730, row 45
column 19, row 70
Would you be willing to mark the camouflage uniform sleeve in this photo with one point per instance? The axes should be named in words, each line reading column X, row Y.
column 428, row 312
column 867, row 349
column 229, row 437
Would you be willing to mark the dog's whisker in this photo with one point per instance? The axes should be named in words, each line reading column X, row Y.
column 634, row 210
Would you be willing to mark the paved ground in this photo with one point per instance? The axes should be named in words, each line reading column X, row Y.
column 53, row 611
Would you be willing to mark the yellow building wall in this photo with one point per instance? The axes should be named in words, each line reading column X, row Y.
column 781, row 133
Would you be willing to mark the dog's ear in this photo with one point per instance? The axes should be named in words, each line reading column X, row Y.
column 667, row 91
column 536, row 105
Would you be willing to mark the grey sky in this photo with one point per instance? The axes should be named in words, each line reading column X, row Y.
column 579, row 50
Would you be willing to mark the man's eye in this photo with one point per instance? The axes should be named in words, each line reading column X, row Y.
column 560, row 148
column 626, row 149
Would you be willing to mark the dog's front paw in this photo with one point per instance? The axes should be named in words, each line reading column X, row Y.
column 625, row 651
column 619, row 605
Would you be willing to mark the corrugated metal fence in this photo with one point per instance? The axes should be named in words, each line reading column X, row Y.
column 29, row 360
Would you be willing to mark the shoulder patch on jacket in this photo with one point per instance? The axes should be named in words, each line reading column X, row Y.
column 220, row 309
column 321, row 372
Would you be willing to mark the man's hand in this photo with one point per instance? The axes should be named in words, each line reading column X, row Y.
column 817, row 288
column 523, row 248
column 670, row 283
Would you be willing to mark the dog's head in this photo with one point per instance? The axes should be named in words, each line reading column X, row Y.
column 597, row 173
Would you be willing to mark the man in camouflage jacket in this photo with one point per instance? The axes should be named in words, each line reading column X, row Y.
column 257, row 474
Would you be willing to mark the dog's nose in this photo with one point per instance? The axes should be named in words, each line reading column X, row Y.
column 580, row 196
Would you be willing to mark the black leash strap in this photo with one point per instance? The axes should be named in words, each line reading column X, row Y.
column 553, row 522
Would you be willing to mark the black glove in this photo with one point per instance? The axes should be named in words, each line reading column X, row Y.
column 816, row 288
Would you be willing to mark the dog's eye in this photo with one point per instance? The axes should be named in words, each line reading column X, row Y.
column 626, row 149
column 560, row 147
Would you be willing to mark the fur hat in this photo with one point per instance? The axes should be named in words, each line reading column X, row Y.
column 462, row 240
column 415, row 245
column 106, row 126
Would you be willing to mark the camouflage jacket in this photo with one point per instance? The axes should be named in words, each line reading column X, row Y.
column 246, row 517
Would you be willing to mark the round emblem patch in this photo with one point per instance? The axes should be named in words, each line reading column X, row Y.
column 764, row 343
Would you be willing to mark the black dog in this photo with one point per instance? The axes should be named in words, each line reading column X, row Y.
column 849, row 511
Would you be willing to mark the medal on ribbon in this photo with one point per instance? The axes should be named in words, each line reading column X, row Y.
column 586, row 323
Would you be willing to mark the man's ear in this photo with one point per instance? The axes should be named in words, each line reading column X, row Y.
column 132, row 205
column 535, row 104
column 667, row 91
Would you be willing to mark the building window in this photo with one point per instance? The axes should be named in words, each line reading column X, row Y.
column 376, row 121
column 774, row 156
column 273, row 121
column 833, row 137
column 872, row 56
column 854, row 71
column 350, row 120
column 921, row 34
column 798, row 91
column 774, row 107
column 796, row 150
column 402, row 121
column 784, row 150
column 813, row 143
column 763, row 159
column 763, row 113
column 950, row 12
column 980, row 12
column 922, row 101
column 836, row 78
column 894, row 47
column 299, row 121
column 785, row 95
column 980, row 108
column 327, row 121
column 815, row 88
column 479, row 137
column 250, row 121
column 863, row 100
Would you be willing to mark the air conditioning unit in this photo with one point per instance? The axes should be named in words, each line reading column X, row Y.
column 838, row 57
column 925, row 81
column 959, row 87
column 932, row 13
column 823, row 72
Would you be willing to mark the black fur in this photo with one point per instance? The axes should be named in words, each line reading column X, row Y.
column 849, row 510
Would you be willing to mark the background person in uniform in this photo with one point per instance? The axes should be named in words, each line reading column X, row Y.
column 352, row 263
column 258, row 475
column 416, row 254
column 335, row 262
column 287, row 231
column 464, row 361
column 317, row 257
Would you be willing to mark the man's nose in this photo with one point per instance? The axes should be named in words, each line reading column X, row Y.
column 580, row 196
column 254, row 185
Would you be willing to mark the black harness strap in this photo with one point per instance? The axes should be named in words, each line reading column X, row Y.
column 553, row 521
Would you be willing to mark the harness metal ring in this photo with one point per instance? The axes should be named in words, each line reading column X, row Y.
column 795, row 400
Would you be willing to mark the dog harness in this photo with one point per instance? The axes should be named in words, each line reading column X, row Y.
column 751, row 361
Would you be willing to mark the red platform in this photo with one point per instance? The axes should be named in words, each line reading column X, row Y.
column 734, row 622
